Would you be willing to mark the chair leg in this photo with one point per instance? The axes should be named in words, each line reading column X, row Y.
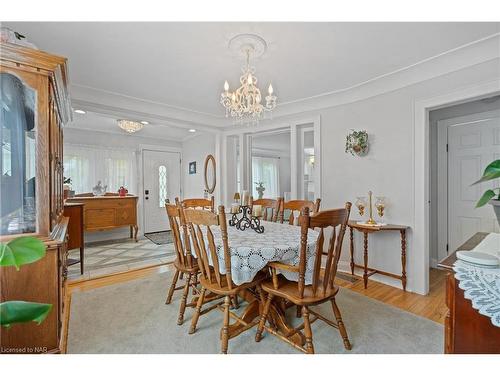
column 340, row 323
column 182, row 308
column 172, row 288
column 234, row 302
column 196, row 316
column 225, row 328
column 263, row 318
column 307, row 330
column 299, row 311
column 195, row 282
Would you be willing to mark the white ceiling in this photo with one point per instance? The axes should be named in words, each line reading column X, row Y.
column 184, row 64
column 108, row 123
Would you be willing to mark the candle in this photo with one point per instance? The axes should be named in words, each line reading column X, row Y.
column 257, row 211
column 245, row 198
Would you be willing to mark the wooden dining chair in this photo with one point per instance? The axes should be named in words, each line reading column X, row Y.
column 322, row 288
column 215, row 274
column 205, row 204
column 297, row 206
column 184, row 263
column 270, row 207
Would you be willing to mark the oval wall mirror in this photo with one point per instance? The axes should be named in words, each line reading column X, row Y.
column 210, row 179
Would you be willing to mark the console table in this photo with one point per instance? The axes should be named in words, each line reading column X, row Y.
column 109, row 212
column 74, row 211
column 367, row 229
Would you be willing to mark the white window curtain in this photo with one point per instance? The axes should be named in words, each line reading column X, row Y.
column 86, row 165
column 265, row 170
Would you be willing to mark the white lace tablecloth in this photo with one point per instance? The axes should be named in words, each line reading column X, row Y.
column 251, row 251
column 482, row 285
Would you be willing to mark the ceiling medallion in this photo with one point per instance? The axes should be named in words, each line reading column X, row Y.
column 244, row 104
column 130, row 126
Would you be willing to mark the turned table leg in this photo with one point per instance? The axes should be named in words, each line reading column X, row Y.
column 365, row 271
column 136, row 229
column 351, row 248
column 403, row 258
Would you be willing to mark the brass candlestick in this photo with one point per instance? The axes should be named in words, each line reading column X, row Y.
column 370, row 220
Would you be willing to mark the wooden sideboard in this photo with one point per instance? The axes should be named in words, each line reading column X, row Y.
column 109, row 212
column 466, row 330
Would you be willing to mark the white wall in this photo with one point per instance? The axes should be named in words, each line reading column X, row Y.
column 196, row 149
column 464, row 109
column 388, row 169
column 116, row 141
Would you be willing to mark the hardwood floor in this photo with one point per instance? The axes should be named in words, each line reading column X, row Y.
column 431, row 306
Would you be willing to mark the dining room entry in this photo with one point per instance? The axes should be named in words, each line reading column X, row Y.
column 161, row 181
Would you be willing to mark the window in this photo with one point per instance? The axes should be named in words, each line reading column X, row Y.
column 116, row 173
column 86, row 165
column 78, row 169
column 265, row 170
column 162, row 185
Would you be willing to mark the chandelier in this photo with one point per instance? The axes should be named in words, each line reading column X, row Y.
column 245, row 103
column 130, row 126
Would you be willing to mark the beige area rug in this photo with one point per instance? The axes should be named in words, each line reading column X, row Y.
column 132, row 318
column 105, row 259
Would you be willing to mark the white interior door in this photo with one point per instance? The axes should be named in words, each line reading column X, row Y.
column 472, row 145
column 162, row 180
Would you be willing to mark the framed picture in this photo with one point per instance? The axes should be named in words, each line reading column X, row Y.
column 192, row 167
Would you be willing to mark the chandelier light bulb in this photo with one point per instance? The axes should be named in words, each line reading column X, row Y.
column 233, row 97
column 250, row 80
column 270, row 89
column 226, row 86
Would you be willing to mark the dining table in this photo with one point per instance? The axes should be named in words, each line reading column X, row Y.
column 250, row 253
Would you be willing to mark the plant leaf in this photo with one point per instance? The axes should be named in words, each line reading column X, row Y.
column 487, row 196
column 21, row 312
column 492, row 171
column 20, row 251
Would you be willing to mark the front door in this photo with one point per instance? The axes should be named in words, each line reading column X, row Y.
column 162, row 180
column 472, row 144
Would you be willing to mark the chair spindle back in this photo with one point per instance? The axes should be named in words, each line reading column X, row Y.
column 204, row 245
column 205, row 204
column 297, row 206
column 271, row 207
column 337, row 220
column 180, row 235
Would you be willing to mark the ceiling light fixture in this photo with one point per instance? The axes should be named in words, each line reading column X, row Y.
column 130, row 126
column 80, row 111
column 144, row 123
column 244, row 104
column 192, row 130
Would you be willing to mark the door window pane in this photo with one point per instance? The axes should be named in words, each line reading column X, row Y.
column 162, row 185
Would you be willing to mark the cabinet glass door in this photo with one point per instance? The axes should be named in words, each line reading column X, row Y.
column 18, row 156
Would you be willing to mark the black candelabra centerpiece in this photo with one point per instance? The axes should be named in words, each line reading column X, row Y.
column 247, row 220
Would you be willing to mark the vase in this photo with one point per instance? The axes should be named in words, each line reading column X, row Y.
column 496, row 207
column 260, row 190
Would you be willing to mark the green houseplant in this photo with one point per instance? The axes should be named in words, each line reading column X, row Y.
column 16, row 253
column 491, row 196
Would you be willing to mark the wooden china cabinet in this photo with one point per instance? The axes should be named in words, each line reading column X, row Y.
column 34, row 106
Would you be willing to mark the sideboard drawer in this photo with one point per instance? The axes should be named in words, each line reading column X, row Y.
column 99, row 218
column 125, row 216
